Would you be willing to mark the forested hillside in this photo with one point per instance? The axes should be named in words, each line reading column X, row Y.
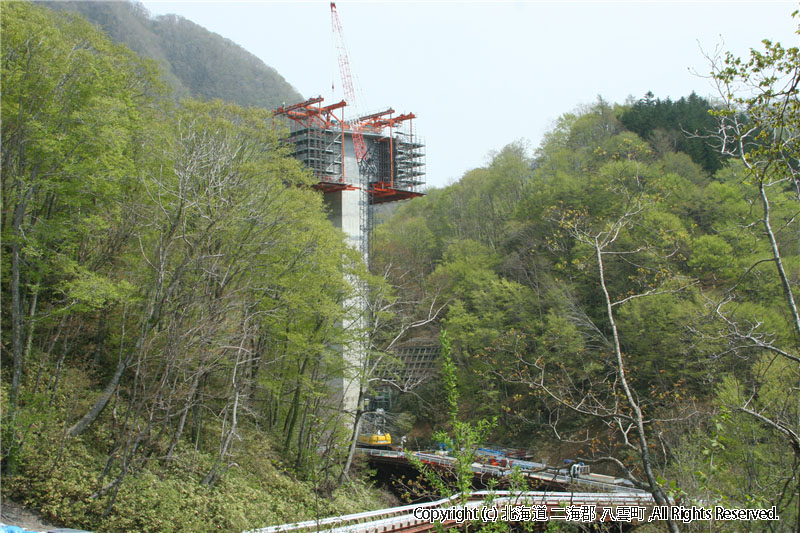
column 171, row 292
column 194, row 61
column 174, row 299
column 626, row 294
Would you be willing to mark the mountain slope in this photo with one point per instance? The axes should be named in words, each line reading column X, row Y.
column 195, row 61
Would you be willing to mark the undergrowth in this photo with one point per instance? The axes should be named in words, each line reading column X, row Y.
column 61, row 478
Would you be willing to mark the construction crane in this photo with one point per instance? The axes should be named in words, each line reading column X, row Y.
column 347, row 83
column 366, row 166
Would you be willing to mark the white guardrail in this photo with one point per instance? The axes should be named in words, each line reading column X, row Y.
column 403, row 517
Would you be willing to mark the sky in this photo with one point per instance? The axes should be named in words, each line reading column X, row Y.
column 481, row 75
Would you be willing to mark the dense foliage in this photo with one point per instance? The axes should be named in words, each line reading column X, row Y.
column 682, row 126
column 620, row 299
column 171, row 295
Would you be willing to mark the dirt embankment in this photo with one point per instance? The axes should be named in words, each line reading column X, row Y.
column 14, row 514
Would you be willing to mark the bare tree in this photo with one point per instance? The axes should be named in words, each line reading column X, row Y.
column 759, row 126
column 599, row 387
column 392, row 319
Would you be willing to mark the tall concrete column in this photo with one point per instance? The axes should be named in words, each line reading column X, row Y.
column 348, row 210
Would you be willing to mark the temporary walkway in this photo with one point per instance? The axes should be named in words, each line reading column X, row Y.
column 570, row 476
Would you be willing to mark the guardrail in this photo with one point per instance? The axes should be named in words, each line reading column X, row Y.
column 404, row 517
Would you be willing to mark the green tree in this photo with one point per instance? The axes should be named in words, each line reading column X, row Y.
column 759, row 124
column 75, row 109
column 462, row 437
column 675, row 126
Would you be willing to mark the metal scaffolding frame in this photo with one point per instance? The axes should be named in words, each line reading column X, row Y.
column 392, row 168
column 321, row 151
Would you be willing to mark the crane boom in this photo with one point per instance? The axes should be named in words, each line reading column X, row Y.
column 347, row 82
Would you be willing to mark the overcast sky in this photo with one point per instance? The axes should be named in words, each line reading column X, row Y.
column 480, row 75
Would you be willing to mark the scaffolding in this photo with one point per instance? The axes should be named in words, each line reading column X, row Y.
column 393, row 167
column 358, row 163
column 321, row 151
column 403, row 161
column 420, row 359
column 316, row 135
column 412, row 363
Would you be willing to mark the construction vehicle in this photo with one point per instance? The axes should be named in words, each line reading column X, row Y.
column 374, row 434
column 375, row 440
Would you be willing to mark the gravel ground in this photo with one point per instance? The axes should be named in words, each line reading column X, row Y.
column 14, row 514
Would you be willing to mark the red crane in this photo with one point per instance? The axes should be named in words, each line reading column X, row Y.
column 347, row 82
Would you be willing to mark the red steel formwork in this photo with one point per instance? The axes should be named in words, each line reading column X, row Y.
column 396, row 157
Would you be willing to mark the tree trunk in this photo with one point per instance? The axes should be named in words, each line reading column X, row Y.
column 295, row 407
column 182, row 422
column 17, row 327
column 102, row 401
column 53, row 340
column 213, row 474
column 300, row 437
column 31, row 315
column 776, row 255
column 644, row 451
column 353, row 441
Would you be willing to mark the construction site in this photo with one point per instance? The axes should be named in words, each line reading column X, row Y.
column 358, row 163
column 390, row 160
column 367, row 160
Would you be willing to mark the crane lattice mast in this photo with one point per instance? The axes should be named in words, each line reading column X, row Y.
column 347, row 82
